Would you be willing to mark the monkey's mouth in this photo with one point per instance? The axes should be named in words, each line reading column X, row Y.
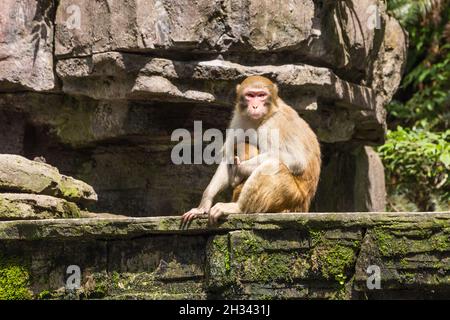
column 255, row 115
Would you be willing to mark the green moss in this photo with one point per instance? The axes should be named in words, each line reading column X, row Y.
column 252, row 261
column 70, row 192
column 388, row 244
column 44, row 295
column 73, row 123
column 71, row 210
column 391, row 245
column 100, row 290
column 440, row 242
column 404, row 264
column 408, row 277
column 9, row 209
column 14, row 279
column 115, row 277
column 221, row 245
column 266, row 267
column 315, row 236
column 333, row 260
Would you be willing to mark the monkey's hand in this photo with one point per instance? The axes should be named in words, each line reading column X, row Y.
column 194, row 213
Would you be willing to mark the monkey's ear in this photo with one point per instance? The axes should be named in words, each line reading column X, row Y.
column 275, row 89
column 238, row 88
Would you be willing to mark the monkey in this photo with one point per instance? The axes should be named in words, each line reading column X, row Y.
column 282, row 176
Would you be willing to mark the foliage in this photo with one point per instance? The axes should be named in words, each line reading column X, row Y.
column 416, row 154
column 424, row 98
column 418, row 164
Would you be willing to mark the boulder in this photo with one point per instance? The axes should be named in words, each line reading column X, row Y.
column 18, row 174
column 23, row 206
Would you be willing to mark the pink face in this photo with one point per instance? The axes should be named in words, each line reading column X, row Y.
column 256, row 102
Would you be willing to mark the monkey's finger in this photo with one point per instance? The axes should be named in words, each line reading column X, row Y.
column 185, row 216
column 214, row 216
column 187, row 219
column 191, row 217
column 183, row 221
column 211, row 215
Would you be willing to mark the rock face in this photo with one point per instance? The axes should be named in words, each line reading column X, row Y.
column 270, row 256
column 98, row 87
column 26, row 45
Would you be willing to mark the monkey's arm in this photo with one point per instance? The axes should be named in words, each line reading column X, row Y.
column 296, row 163
column 219, row 181
column 245, row 168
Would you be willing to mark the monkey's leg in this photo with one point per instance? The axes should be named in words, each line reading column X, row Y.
column 269, row 190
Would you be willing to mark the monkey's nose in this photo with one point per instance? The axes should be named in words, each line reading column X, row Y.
column 255, row 107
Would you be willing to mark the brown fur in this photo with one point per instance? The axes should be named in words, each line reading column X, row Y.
column 283, row 191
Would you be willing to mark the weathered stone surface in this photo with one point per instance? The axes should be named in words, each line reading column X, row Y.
column 135, row 227
column 338, row 110
column 270, row 256
column 26, row 45
column 22, row 206
column 389, row 65
column 369, row 189
column 18, row 174
column 334, row 33
column 169, row 80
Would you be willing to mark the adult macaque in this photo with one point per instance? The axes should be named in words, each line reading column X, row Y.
column 279, row 175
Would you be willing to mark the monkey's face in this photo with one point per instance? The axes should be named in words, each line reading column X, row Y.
column 257, row 97
column 257, row 102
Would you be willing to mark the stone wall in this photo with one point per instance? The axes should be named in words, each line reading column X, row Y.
column 266, row 256
column 97, row 88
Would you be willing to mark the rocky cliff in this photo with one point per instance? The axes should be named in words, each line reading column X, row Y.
column 97, row 88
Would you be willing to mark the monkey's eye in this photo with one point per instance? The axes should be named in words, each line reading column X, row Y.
column 253, row 95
